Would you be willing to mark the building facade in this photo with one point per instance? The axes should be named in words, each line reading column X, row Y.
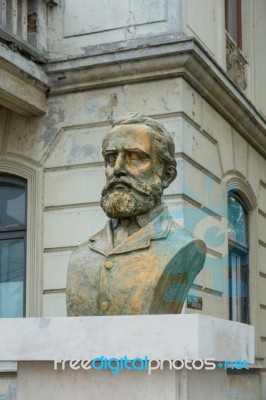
column 67, row 69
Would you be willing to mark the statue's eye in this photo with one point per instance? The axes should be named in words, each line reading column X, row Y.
column 134, row 156
column 110, row 158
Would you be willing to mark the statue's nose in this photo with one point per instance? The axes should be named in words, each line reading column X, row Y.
column 119, row 168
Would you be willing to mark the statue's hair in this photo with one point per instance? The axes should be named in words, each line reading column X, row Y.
column 162, row 140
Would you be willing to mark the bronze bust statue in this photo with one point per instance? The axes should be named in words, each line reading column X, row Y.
column 141, row 262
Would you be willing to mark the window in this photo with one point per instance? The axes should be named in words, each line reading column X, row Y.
column 233, row 20
column 12, row 246
column 236, row 63
column 238, row 259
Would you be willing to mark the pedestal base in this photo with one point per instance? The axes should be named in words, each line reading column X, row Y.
column 39, row 380
column 183, row 347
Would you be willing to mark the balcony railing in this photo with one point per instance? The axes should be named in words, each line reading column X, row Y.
column 14, row 17
column 236, row 64
column 18, row 27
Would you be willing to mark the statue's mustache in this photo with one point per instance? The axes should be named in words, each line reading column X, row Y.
column 142, row 188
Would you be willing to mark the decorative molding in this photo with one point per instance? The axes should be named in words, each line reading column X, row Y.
column 160, row 58
column 236, row 63
column 234, row 182
column 11, row 165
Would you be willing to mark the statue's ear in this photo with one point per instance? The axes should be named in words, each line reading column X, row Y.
column 169, row 176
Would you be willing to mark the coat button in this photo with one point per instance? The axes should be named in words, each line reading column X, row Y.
column 108, row 264
column 104, row 305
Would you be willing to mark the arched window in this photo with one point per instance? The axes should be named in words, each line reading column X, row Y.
column 238, row 259
column 13, row 226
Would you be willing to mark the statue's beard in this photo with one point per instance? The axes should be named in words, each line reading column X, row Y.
column 132, row 198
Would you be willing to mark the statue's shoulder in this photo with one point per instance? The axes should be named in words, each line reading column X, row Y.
column 83, row 252
column 180, row 238
column 78, row 254
column 82, row 247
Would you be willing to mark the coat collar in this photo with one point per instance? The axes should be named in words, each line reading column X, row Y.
column 157, row 228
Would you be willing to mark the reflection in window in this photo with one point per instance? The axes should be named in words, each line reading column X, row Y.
column 237, row 217
column 233, row 20
column 238, row 259
column 12, row 246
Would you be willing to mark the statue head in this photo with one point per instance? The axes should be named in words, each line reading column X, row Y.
column 140, row 163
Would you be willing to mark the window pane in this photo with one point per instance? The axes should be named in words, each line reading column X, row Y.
column 12, row 206
column 237, row 222
column 12, row 259
column 231, row 19
column 235, row 291
column 239, row 285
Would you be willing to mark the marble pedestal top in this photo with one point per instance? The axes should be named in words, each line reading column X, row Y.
column 156, row 336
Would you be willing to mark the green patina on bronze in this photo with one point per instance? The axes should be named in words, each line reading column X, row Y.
column 141, row 262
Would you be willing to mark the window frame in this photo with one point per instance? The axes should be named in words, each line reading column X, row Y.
column 238, row 22
column 17, row 232
column 242, row 251
column 32, row 173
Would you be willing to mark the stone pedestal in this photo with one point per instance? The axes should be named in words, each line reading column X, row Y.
column 169, row 340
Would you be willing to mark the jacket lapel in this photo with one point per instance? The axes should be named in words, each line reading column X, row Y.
column 102, row 242
column 156, row 229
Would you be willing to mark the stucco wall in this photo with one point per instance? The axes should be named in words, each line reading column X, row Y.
column 76, row 29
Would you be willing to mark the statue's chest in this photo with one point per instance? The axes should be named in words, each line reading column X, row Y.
column 127, row 281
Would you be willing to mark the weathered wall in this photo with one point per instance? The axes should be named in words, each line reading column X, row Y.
column 77, row 29
column 259, row 58
column 77, row 26
column 205, row 20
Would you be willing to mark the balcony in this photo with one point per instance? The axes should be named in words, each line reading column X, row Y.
column 18, row 26
column 23, row 83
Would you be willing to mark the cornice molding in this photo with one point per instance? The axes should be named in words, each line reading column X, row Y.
column 158, row 59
